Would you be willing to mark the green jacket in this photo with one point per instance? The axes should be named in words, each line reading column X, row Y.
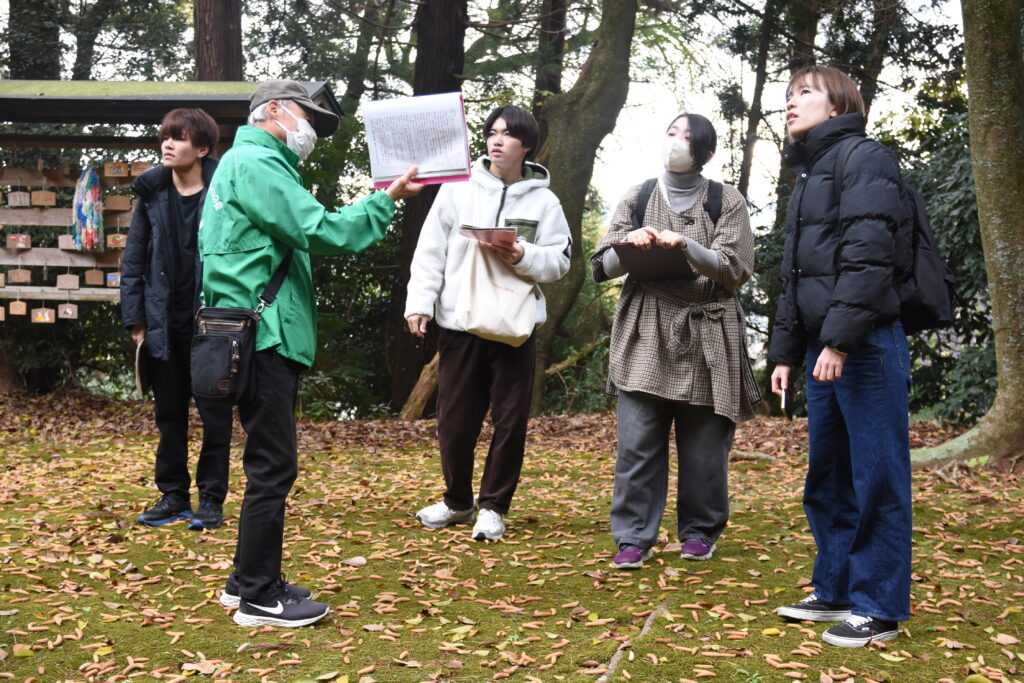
column 256, row 208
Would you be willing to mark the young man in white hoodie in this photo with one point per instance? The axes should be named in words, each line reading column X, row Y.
column 475, row 373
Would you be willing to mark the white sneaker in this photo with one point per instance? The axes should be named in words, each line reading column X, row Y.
column 439, row 515
column 489, row 525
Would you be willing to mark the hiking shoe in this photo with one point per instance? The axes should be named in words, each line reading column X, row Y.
column 279, row 607
column 229, row 597
column 697, row 549
column 857, row 631
column 631, row 557
column 489, row 526
column 439, row 515
column 170, row 508
column 209, row 515
column 812, row 608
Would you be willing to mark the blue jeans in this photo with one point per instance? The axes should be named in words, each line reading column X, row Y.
column 857, row 494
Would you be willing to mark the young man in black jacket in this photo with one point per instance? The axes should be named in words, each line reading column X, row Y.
column 159, row 297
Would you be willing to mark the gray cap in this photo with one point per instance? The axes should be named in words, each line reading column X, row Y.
column 325, row 121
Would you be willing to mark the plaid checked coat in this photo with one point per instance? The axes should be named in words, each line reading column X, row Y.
column 683, row 340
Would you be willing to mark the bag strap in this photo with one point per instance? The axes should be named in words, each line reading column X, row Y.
column 713, row 203
column 640, row 210
column 270, row 293
column 842, row 158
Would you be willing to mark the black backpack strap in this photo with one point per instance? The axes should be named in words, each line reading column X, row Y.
column 270, row 293
column 846, row 148
column 713, row 202
column 640, row 210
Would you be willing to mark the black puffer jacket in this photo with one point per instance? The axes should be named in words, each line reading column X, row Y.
column 841, row 258
column 147, row 269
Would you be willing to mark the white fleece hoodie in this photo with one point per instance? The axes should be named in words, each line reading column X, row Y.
column 439, row 264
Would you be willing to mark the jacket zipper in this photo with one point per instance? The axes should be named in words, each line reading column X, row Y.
column 504, row 189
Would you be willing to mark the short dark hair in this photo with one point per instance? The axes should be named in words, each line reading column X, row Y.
column 843, row 93
column 194, row 125
column 521, row 125
column 703, row 138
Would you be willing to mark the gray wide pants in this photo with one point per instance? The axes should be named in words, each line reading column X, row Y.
column 641, row 469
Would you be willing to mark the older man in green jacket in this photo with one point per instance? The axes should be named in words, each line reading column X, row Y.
column 256, row 210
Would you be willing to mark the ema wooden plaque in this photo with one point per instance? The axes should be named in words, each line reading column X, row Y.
column 19, row 198
column 68, row 281
column 44, row 198
column 66, row 242
column 18, row 308
column 117, row 202
column 117, row 240
column 140, row 167
column 19, row 240
column 67, row 311
column 20, row 276
column 3, row 314
column 94, row 278
column 113, row 279
column 44, row 315
column 3, row 279
column 115, row 169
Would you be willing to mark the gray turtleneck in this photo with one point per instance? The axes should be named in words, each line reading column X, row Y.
column 681, row 191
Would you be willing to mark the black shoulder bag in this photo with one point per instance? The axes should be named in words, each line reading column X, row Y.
column 224, row 345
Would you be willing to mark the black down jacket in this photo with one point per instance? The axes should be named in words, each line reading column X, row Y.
column 842, row 252
column 147, row 266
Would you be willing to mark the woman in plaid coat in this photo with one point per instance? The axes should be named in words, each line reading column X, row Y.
column 678, row 353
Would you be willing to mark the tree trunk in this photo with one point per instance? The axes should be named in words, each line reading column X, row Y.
column 995, row 84
column 577, row 121
column 33, row 39
column 771, row 10
column 551, row 55
column 885, row 15
column 218, row 40
column 87, row 29
column 422, row 392
column 440, row 27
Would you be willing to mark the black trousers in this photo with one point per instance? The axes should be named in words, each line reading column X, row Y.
column 172, row 393
column 474, row 374
column 271, row 464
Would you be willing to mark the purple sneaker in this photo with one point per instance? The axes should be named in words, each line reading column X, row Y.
column 697, row 549
column 631, row 557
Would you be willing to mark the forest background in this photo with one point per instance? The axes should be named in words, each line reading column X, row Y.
column 573, row 62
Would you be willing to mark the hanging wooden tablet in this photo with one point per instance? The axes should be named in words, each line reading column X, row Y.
column 66, row 242
column 117, row 240
column 113, row 279
column 117, row 202
column 44, row 198
column 19, row 276
column 19, row 240
column 140, row 167
column 3, row 314
column 115, row 169
column 44, row 315
column 64, row 169
column 67, row 281
column 93, row 278
column 19, row 198
column 67, row 311
column 18, row 308
column 2, row 279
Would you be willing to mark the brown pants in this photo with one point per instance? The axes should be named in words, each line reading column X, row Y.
column 475, row 374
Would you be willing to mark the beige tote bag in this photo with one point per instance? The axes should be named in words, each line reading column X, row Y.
column 494, row 303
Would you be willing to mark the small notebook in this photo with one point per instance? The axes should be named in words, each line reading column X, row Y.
column 655, row 263
column 506, row 236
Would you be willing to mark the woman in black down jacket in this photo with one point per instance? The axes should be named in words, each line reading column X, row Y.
column 839, row 310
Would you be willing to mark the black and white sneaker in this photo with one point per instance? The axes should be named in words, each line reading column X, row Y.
column 229, row 597
column 812, row 608
column 278, row 607
column 170, row 508
column 857, row 631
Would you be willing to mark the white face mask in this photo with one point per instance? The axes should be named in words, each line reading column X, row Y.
column 676, row 155
column 300, row 141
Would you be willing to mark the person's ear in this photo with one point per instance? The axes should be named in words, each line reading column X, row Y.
column 273, row 108
column 202, row 152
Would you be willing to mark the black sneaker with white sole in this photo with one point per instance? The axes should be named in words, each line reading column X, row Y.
column 812, row 608
column 857, row 631
column 278, row 607
column 229, row 597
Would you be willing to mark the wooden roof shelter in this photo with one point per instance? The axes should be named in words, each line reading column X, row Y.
column 85, row 103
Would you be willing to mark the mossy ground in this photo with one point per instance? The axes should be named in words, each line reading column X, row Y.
column 89, row 594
